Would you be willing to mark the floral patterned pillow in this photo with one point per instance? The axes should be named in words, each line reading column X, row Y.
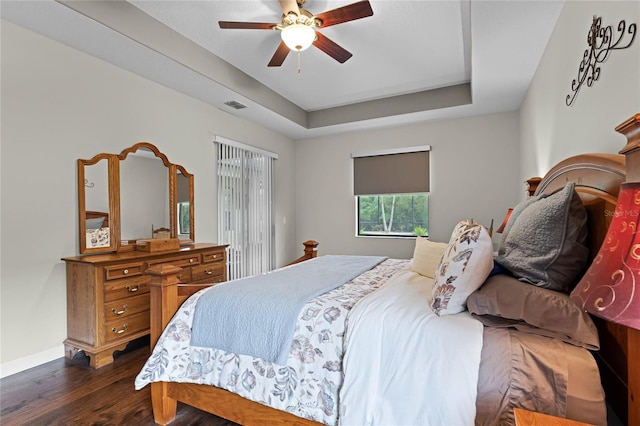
column 465, row 265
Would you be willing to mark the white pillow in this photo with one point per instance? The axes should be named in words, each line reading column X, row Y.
column 426, row 256
column 465, row 265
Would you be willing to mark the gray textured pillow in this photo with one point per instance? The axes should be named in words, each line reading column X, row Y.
column 545, row 245
column 517, row 210
column 503, row 301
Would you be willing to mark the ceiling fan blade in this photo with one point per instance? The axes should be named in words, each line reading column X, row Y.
column 281, row 54
column 354, row 11
column 246, row 25
column 331, row 48
column 289, row 6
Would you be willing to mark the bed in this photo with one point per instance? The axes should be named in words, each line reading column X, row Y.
column 488, row 362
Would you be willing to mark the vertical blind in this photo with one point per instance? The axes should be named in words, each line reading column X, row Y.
column 245, row 207
column 401, row 171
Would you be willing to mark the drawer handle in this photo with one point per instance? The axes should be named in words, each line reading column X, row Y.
column 191, row 260
column 116, row 331
column 124, row 309
column 133, row 290
column 126, row 271
column 180, row 276
column 209, row 271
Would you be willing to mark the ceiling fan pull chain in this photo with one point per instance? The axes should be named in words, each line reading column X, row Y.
column 299, row 69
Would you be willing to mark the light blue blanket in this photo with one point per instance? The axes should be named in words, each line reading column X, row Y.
column 257, row 316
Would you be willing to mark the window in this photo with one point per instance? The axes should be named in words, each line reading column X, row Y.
column 245, row 207
column 404, row 215
column 392, row 192
column 183, row 218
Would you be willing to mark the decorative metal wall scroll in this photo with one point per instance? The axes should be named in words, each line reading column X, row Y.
column 601, row 42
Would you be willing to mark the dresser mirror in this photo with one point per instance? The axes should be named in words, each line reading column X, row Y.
column 137, row 194
column 96, row 204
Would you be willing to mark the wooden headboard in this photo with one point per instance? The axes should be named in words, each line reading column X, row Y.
column 598, row 178
column 95, row 215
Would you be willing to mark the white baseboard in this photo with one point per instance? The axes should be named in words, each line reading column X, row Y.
column 21, row 364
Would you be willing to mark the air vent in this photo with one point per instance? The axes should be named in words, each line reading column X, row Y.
column 235, row 104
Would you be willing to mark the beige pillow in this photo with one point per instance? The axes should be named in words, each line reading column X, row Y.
column 426, row 256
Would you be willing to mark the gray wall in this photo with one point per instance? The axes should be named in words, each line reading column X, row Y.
column 473, row 162
column 550, row 130
column 58, row 105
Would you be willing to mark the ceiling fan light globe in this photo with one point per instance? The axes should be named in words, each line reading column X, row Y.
column 298, row 36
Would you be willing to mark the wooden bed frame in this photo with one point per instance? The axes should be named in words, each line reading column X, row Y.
column 167, row 294
column 597, row 178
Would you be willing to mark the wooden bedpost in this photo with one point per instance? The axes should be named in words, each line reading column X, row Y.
column 310, row 251
column 532, row 185
column 164, row 303
column 164, row 297
column 631, row 129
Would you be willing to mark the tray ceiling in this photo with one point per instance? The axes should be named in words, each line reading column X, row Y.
column 412, row 60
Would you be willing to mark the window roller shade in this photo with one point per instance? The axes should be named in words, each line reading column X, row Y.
column 403, row 173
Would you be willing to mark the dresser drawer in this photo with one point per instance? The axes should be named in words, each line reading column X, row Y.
column 182, row 262
column 124, row 308
column 114, row 290
column 214, row 272
column 108, row 294
column 123, row 271
column 123, row 327
column 213, row 256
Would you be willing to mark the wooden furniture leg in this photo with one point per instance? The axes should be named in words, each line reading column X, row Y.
column 97, row 359
column 100, row 359
column 164, row 407
column 164, row 303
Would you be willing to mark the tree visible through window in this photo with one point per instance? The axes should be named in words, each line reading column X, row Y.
column 403, row 215
column 183, row 218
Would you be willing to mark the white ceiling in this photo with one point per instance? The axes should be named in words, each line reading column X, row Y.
column 413, row 60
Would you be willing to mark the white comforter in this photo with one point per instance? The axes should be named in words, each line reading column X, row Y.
column 403, row 364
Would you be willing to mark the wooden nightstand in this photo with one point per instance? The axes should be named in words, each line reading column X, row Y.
column 530, row 418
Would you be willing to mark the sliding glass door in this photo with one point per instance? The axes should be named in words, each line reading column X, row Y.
column 245, row 207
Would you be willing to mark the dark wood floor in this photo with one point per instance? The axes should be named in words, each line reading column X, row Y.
column 69, row 392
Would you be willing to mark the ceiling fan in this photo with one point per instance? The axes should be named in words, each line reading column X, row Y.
column 299, row 27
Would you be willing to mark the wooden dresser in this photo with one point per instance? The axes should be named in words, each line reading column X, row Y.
column 108, row 295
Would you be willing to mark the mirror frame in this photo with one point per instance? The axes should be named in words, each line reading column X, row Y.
column 173, row 195
column 114, row 204
column 113, row 167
